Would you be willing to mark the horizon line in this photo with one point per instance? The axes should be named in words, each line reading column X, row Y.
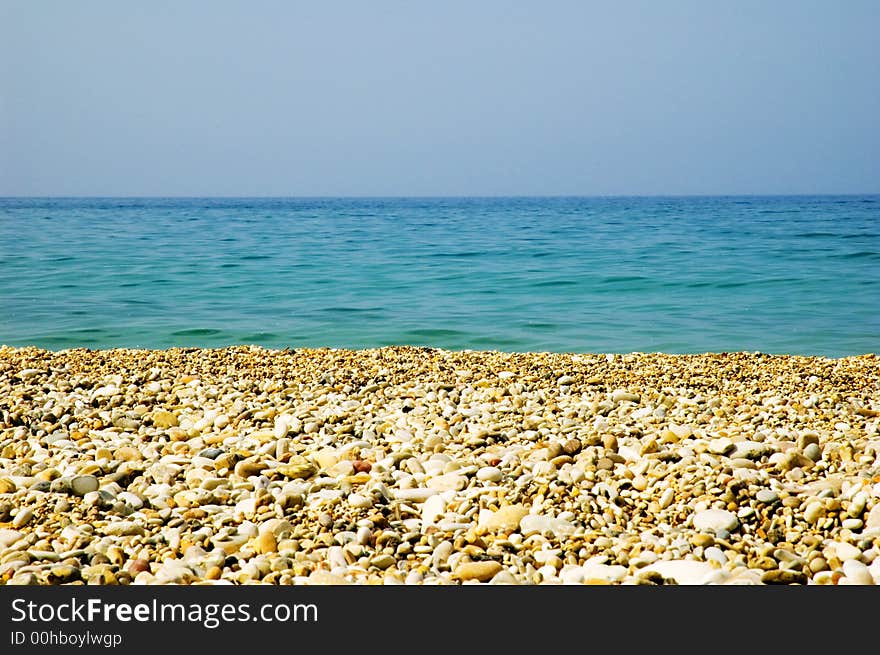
column 435, row 196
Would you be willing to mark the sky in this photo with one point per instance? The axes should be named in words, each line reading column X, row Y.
column 453, row 98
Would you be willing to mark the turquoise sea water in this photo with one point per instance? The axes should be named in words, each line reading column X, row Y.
column 796, row 275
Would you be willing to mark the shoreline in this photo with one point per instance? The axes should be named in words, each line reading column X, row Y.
column 418, row 465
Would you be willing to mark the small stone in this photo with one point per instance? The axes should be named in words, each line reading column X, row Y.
column 447, row 482
column 164, row 419
column 490, row 474
column 721, row 446
column 844, row 551
column 715, row 520
column 598, row 573
column 873, row 520
column 792, row 460
column 23, row 517
column 27, row 579
column 321, row 577
column 265, row 543
column 751, row 450
column 127, row 454
column 361, row 466
column 482, row 571
column 135, row 566
column 806, row 439
column 28, row 373
column 572, row 447
column 247, row 468
column 441, row 553
column 297, row 468
column 784, row 576
column 684, row 572
column 506, row 519
column 63, row 573
column 702, row 540
column 504, row 577
column 538, row 524
column 433, row 509
column 7, row 486
column 382, row 561
column 818, row 564
column 123, row 529
column 827, row 577
column 622, row 395
column 9, row 537
column 767, row 496
column 857, row 573
column 281, row 427
column 814, row 512
column 360, row 501
column 80, row 485
column 813, row 452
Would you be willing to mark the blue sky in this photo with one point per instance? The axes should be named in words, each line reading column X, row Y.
column 444, row 98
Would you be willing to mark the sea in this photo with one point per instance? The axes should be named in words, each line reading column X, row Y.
column 773, row 274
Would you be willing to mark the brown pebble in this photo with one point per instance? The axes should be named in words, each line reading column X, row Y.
column 135, row 566
column 361, row 466
column 570, row 447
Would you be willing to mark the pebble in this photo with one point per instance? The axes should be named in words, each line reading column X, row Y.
column 857, row 573
column 297, row 468
column 784, row 576
column 482, row 571
column 844, row 551
column 813, row 452
column 490, row 474
column 417, row 495
column 360, row 501
column 382, row 561
column 22, row 517
column 164, row 419
column 506, row 519
column 873, row 519
column 622, row 395
column 447, row 482
column 814, row 512
column 123, row 529
column 751, row 450
column 684, row 572
column 9, row 537
column 433, row 509
column 441, row 554
column 537, row 524
column 83, row 484
column 715, row 520
column 321, row 577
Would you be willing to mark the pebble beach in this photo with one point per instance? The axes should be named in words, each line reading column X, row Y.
column 406, row 465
